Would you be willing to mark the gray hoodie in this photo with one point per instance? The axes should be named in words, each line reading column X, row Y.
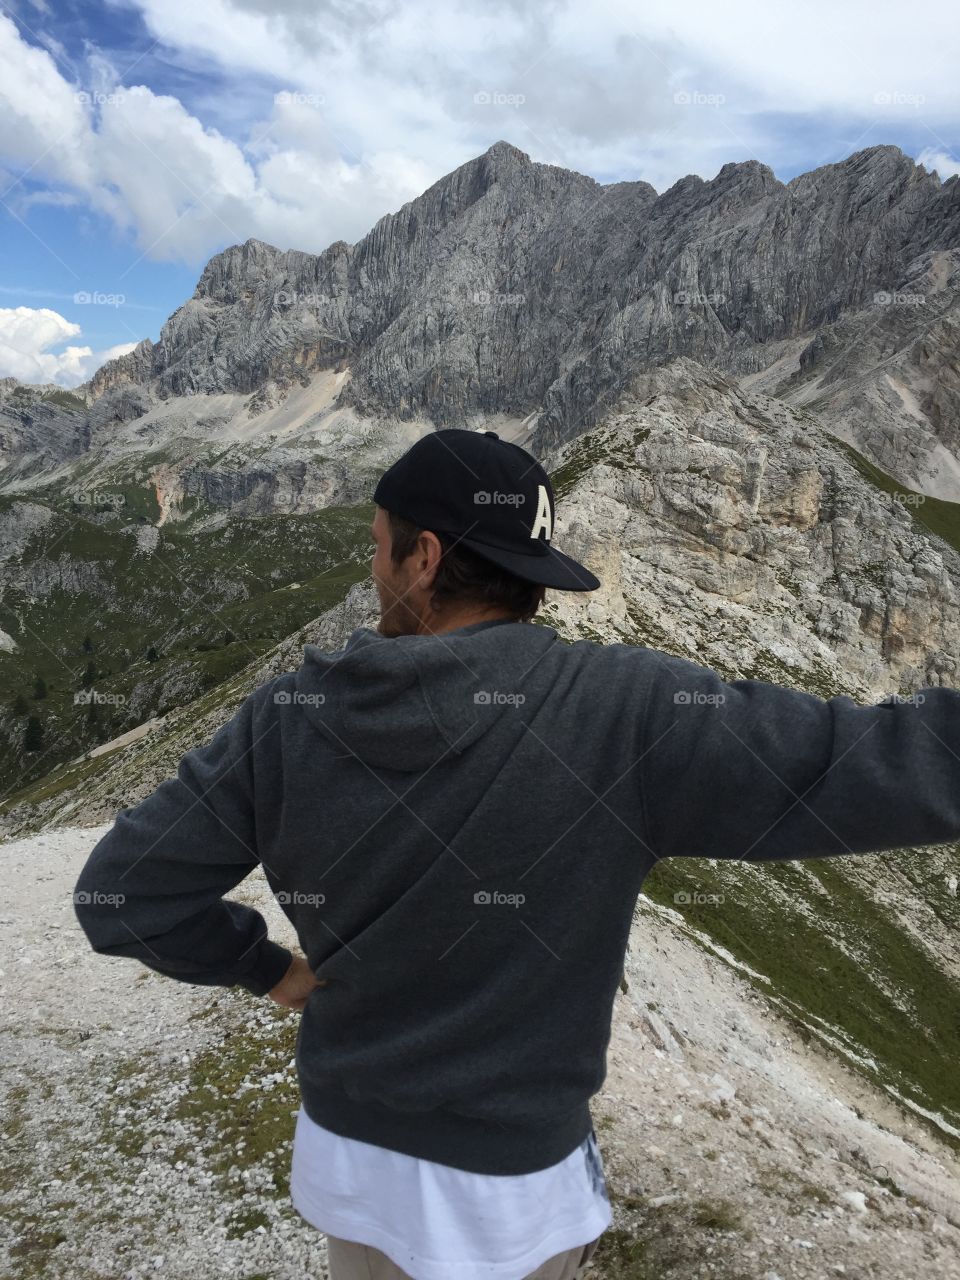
column 458, row 827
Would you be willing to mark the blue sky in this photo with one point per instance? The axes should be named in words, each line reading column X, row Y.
column 139, row 137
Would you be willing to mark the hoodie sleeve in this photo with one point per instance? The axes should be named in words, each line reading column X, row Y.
column 758, row 772
column 152, row 887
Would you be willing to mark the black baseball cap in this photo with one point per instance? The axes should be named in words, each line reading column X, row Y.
column 489, row 494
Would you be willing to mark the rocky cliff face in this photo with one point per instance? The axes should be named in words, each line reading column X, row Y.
column 730, row 528
column 725, row 526
column 886, row 376
column 512, row 286
column 523, row 289
column 41, row 428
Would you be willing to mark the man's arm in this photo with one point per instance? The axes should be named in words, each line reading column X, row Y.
column 758, row 772
column 152, row 887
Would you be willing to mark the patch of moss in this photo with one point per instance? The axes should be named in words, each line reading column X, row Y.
column 622, row 1256
column 242, row 1221
column 717, row 1215
column 244, row 1125
column 606, row 446
column 64, row 400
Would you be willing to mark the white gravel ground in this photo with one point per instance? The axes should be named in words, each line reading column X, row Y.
column 731, row 1148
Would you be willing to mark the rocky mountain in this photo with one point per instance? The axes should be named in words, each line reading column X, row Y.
column 744, row 392
column 886, row 376
column 525, row 290
column 725, row 525
column 512, row 296
column 729, row 527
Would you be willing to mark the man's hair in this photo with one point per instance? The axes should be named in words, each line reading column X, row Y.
column 465, row 576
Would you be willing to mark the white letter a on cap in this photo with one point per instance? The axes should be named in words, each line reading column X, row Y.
column 543, row 520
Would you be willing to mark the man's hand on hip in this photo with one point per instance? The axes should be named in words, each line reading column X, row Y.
column 296, row 985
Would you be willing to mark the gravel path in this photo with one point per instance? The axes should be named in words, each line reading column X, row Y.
column 149, row 1122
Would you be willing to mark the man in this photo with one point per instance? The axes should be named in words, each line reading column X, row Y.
column 457, row 812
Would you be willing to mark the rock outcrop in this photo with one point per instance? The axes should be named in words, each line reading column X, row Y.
column 524, row 289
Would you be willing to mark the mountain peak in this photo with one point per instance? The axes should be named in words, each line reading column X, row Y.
column 507, row 151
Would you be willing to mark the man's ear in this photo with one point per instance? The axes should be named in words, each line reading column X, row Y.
column 429, row 550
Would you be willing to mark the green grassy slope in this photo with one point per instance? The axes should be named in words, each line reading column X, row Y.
column 150, row 630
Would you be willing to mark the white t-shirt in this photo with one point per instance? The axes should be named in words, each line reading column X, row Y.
column 435, row 1221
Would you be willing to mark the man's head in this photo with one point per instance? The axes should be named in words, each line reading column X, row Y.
column 463, row 528
column 428, row 584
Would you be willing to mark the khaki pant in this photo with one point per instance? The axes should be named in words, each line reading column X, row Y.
column 350, row 1261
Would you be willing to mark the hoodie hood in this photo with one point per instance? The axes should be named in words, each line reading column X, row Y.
column 406, row 702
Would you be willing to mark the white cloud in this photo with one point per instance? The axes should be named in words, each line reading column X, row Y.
column 828, row 57
column 381, row 100
column 26, row 336
column 946, row 165
column 43, row 121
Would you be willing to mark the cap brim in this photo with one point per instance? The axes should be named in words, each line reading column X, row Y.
column 555, row 569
